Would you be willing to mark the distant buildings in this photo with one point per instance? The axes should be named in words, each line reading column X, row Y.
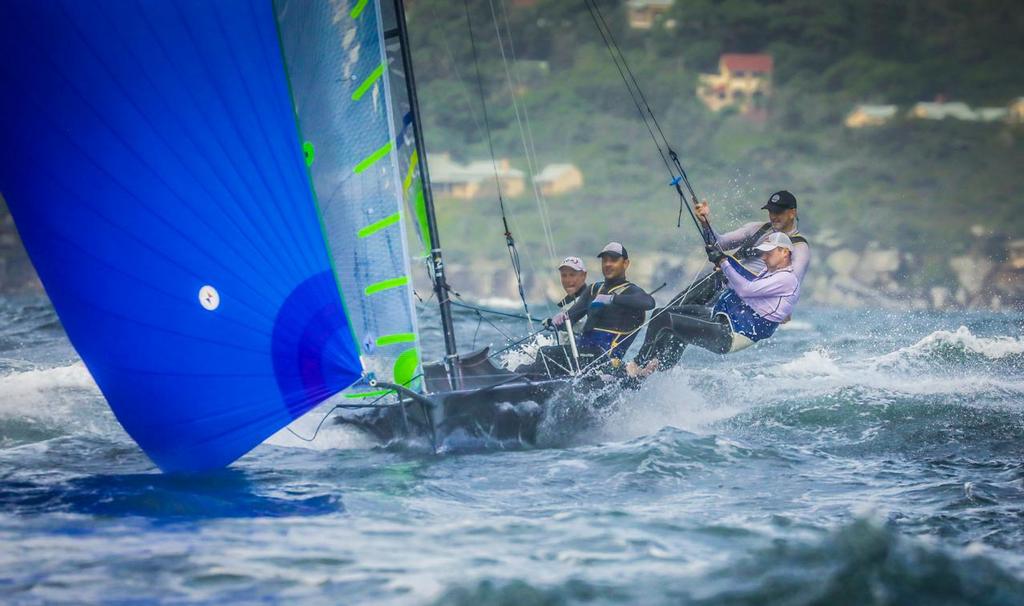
column 876, row 115
column 870, row 115
column 557, row 179
column 743, row 81
column 465, row 181
column 940, row 110
column 643, row 14
column 1016, row 111
column 476, row 179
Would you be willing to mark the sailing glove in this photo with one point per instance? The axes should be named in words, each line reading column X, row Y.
column 555, row 321
column 715, row 254
column 602, row 300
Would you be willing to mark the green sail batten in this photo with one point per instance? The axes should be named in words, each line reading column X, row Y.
column 369, row 394
column 377, row 155
column 414, row 159
column 421, row 218
column 309, row 152
column 376, row 226
column 358, row 9
column 368, row 83
column 403, row 337
column 386, row 284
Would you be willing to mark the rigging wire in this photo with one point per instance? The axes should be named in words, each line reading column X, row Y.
column 531, row 158
column 510, row 242
column 643, row 107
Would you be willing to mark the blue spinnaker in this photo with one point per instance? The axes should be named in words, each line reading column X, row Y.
column 150, row 156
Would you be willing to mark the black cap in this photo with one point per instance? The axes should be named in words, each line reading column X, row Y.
column 780, row 200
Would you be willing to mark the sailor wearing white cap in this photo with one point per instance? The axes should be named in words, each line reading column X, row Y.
column 615, row 310
column 573, row 274
column 749, row 310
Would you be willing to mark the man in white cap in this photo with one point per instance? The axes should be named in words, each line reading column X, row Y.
column 573, row 274
column 782, row 217
column 615, row 309
column 750, row 309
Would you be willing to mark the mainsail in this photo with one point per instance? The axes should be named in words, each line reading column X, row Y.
column 338, row 69
column 150, row 155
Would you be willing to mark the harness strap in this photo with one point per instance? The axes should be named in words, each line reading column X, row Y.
column 745, row 249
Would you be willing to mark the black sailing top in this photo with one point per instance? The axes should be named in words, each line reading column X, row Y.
column 624, row 314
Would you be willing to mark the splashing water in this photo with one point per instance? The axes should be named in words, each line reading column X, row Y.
column 855, row 457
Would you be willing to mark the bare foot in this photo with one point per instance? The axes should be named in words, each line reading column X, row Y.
column 649, row 368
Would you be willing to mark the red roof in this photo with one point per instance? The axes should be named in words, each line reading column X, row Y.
column 736, row 62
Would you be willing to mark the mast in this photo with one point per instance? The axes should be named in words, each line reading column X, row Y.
column 436, row 261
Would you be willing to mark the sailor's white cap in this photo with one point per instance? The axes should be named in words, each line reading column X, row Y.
column 573, row 263
column 775, row 240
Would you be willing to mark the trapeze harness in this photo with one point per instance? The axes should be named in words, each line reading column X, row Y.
column 618, row 322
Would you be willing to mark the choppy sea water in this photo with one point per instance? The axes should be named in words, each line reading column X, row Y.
column 856, row 458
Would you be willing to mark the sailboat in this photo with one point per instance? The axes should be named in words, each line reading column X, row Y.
column 216, row 197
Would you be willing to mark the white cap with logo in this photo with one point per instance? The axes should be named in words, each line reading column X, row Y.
column 573, row 263
column 775, row 240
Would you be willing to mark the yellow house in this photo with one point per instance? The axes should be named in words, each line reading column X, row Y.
column 743, row 81
column 557, row 179
column 870, row 115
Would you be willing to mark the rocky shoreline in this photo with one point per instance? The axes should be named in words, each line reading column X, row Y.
column 990, row 275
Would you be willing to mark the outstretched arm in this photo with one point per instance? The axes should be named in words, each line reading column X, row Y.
column 579, row 308
column 746, row 284
column 635, row 298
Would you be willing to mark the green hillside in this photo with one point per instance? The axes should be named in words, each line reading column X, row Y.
column 915, row 185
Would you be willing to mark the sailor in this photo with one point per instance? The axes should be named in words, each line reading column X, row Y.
column 615, row 310
column 782, row 217
column 573, row 275
column 749, row 310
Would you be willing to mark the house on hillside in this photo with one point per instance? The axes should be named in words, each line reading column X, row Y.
column 1017, row 111
column 992, row 114
column 743, row 81
column 557, row 179
column 643, row 14
column 940, row 110
column 870, row 115
column 476, row 179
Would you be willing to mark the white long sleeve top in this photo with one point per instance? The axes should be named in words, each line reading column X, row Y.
column 771, row 294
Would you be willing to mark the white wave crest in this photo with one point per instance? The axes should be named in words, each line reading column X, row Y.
column 59, row 400
column 814, row 363
column 993, row 348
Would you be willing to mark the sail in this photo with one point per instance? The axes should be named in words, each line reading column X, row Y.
column 150, row 156
column 338, row 69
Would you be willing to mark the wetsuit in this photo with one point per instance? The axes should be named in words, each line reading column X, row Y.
column 608, row 327
column 750, row 309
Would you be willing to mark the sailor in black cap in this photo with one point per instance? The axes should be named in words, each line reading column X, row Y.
column 615, row 310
